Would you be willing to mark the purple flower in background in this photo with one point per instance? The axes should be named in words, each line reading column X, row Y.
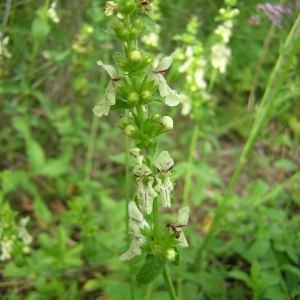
column 254, row 20
column 274, row 12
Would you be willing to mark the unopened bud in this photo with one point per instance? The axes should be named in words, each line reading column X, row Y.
column 166, row 122
column 146, row 95
column 123, row 122
column 171, row 254
column 156, row 249
column 156, row 117
column 133, row 99
column 129, row 129
column 135, row 56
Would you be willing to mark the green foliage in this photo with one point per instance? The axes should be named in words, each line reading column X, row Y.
column 152, row 267
column 65, row 169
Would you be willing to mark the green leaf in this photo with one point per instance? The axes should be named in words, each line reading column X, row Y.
column 291, row 269
column 42, row 210
column 240, row 275
column 274, row 293
column 21, row 125
column 149, row 24
column 40, row 28
column 44, row 100
column 258, row 249
column 267, row 279
column 255, row 270
column 54, row 168
column 285, row 164
column 152, row 267
column 36, row 155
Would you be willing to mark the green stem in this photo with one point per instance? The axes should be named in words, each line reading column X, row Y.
column 92, row 136
column 155, row 219
column 127, row 195
column 275, row 82
column 212, row 80
column 188, row 177
column 169, row 284
column 261, row 59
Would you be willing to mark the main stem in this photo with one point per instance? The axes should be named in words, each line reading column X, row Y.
column 169, row 284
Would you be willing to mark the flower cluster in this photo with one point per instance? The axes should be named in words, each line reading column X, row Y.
column 52, row 12
column 144, row 179
column 220, row 53
column 129, row 96
column 274, row 13
column 14, row 237
column 4, row 53
column 140, row 229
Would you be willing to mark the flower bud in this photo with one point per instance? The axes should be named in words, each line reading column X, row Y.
column 166, row 122
column 171, row 254
column 156, row 249
column 126, row 7
column 146, row 95
column 133, row 99
column 156, row 117
column 123, row 122
column 135, row 56
column 129, row 129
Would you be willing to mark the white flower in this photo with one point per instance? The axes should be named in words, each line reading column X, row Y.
column 52, row 12
column 176, row 228
column 199, row 76
column 225, row 30
column 138, row 157
column 164, row 185
column 146, row 193
column 6, row 248
column 136, row 221
column 182, row 220
column 150, row 39
column 166, row 122
column 110, row 6
column 102, row 108
column 22, row 231
column 3, row 43
column 220, row 55
column 189, row 53
column 186, row 105
column 171, row 97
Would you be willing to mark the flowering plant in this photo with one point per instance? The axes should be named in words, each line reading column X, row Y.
column 132, row 86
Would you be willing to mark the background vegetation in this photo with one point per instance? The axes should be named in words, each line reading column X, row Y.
column 64, row 167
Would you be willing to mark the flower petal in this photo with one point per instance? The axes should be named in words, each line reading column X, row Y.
column 165, row 63
column 135, row 215
column 134, row 250
column 102, row 108
column 182, row 241
column 112, row 72
column 164, row 186
column 142, row 171
column 146, row 193
column 183, row 216
column 173, row 98
column 164, row 162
